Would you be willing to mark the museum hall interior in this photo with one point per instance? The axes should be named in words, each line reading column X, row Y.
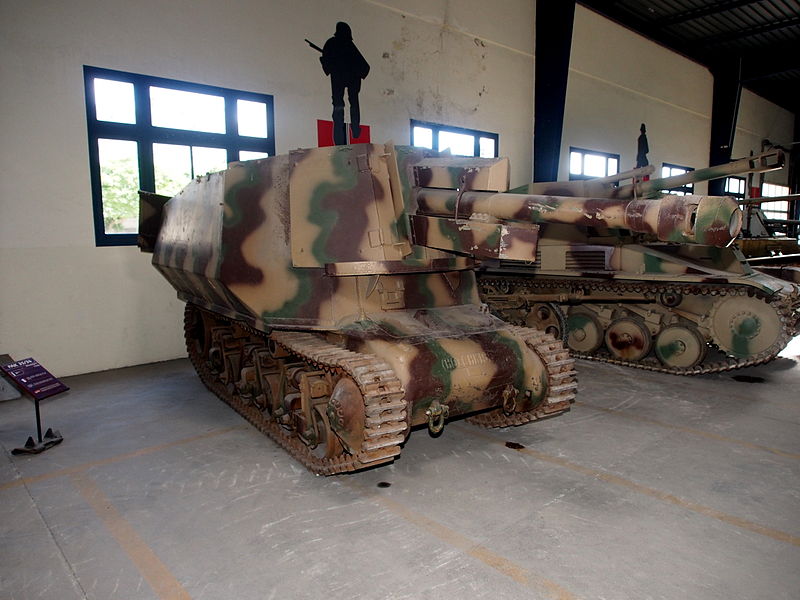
column 400, row 300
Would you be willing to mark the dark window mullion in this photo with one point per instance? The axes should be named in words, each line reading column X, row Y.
column 97, row 189
column 144, row 128
column 232, row 126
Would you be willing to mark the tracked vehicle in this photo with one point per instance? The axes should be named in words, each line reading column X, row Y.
column 636, row 293
column 314, row 309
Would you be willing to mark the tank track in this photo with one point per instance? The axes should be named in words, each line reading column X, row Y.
column 561, row 379
column 786, row 306
column 385, row 409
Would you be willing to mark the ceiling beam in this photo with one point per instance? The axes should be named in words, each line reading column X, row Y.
column 703, row 11
column 749, row 31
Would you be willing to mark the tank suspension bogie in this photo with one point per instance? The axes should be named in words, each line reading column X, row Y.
column 332, row 409
column 339, row 410
column 689, row 328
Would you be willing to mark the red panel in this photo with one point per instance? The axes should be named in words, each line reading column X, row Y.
column 324, row 133
column 363, row 138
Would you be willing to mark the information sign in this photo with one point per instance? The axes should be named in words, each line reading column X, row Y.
column 34, row 378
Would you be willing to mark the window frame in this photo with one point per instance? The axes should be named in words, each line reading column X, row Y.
column 145, row 134
column 768, row 208
column 437, row 128
column 683, row 190
column 737, row 196
column 584, row 152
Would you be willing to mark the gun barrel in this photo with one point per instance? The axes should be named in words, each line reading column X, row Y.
column 767, row 161
column 763, row 199
column 710, row 220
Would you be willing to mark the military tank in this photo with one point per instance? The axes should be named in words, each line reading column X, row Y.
column 654, row 284
column 316, row 312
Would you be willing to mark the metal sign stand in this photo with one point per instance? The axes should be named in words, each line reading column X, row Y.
column 51, row 438
column 38, row 383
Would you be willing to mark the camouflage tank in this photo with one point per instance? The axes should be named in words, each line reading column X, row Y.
column 315, row 311
column 631, row 279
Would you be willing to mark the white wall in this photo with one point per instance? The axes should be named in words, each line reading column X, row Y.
column 78, row 308
column 619, row 80
column 761, row 119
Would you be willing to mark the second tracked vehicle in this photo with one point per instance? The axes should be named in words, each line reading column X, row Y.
column 646, row 295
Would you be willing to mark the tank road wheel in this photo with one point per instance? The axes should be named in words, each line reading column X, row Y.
column 745, row 326
column 584, row 333
column 628, row 339
column 547, row 317
column 680, row 346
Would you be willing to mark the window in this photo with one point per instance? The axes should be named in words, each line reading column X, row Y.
column 460, row 141
column 735, row 186
column 778, row 209
column 586, row 164
column 668, row 170
column 158, row 134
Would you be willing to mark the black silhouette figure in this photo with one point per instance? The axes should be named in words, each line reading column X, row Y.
column 346, row 66
column 642, row 149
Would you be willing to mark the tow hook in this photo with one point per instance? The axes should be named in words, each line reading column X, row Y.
column 509, row 399
column 437, row 414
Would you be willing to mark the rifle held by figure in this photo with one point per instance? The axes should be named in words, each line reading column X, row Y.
column 313, row 45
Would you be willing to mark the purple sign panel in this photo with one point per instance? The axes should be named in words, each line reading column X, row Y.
column 34, row 378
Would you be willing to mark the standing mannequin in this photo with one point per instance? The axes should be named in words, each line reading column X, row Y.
column 642, row 148
column 346, row 66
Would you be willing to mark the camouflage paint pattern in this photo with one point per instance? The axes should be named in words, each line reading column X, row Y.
column 477, row 237
column 322, row 240
column 609, row 261
column 686, row 219
column 458, row 173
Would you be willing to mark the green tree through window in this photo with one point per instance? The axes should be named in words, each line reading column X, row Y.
column 156, row 134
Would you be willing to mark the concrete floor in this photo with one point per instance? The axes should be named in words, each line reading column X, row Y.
column 653, row 486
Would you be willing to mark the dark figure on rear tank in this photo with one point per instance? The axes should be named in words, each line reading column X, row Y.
column 347, row 67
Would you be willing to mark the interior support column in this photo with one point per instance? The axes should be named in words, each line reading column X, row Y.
column 794, row 173
column 724, row 111
column 554, row 19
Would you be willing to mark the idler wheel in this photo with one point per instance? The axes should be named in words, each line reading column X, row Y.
column 679, row 346
column 584, row 333
column 628, row 339
column 504, row 287
column 547, row 317
column 327, row 444
column 670, row 299
column 745, row 326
